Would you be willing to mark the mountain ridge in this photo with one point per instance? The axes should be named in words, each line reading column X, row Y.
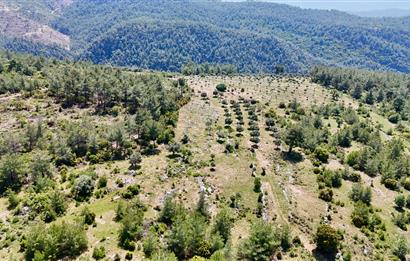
column 391, row 12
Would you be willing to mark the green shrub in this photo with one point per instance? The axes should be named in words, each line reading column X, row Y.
column 255, row 139
column 163, row 255
column 221, row 87
column 401, row 220
column 406, row 183
column 43, row 184
column 131, row 225
column 400, row 201
column 218, row 256
column 83, row 188
column 257, row 185
column 327, row 239
column 401, row 248
column 88, row 216
column 360, row 215
column 391, row 184
column 330, row 178
column 40, row 165
column 351, row 176
column 169, row 211
column 94, row 159
column 408, row 201
column 102, row 182
column 58, row 241
column 394, row 118
column 270, row 122
column 47, row 205
column 317, row 171
column 255, row 133
column 352, row 159
column 361, row 193
column 58, row 202
column 132, row 191
column 336, row 179
column 229, row 148
column 115, row 111
column 13, row 199
column 322, row 154
column 128, row 256
column 150, row 244
column 264, row 241
column 11, row 173
column 344, row 138
column 326, row 194
column 228, row 121
column 99, row 253
column 223, row 224
column 187, row 237
column 294, row 137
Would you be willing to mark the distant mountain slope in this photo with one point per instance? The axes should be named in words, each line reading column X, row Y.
column 28, row 20
column 306, row 36
column 384, row 13
column 255, row 36
column 159, row 45
column 38, row 10
column 36, row 48
column 14, row 25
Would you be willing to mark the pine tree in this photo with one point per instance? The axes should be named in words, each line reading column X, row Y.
column 223, row 224
column 202, row 206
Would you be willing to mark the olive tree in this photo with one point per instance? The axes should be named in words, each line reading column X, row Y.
column 294, row 137
column 327, row 239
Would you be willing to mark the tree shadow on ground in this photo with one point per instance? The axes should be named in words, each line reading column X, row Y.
column 399, row 209
column 292, row 156
column 173, row 156
column 151, row 151
column 319, row 256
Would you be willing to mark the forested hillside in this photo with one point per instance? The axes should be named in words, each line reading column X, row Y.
column 253, row 36
column 175, row 44
column 390, row 92
column 98, row 162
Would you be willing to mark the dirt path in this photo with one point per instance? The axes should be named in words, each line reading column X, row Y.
column 232, row 172
column 7, row 97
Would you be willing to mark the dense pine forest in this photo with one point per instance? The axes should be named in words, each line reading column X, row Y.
column 167, row 34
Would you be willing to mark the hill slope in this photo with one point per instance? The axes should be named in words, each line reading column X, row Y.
column 28, row 21
column 98, row 161
column 168, row 46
